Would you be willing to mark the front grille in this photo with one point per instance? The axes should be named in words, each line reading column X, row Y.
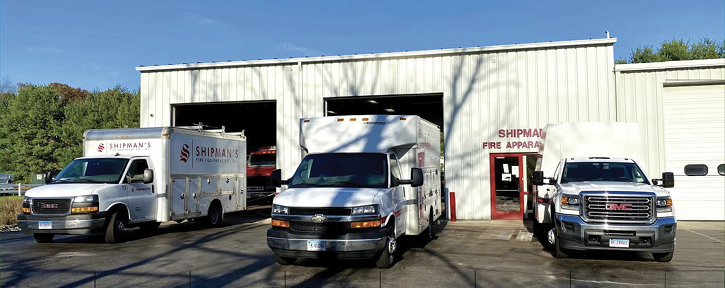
column 51, row 206
column 335, row 211
column 336, row 228
column 618, row 208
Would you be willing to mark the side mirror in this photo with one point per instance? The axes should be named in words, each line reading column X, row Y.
column 276, row 178
column 48, row 177
column 668, row 180
column 148, row 176
column 538, row 178
column 416, row 175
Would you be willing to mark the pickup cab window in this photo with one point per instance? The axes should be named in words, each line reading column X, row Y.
column 92, row 170
column 365, row 170
column 602, row 171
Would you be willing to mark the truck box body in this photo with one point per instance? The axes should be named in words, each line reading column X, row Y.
column 362, row 158
column 594, row 194
column 191, row 170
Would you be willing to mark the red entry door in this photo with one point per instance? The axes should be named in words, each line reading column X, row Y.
column 507, row 188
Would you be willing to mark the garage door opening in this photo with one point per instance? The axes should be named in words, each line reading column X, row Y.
column 258, row 120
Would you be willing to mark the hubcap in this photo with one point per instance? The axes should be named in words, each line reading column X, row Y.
column 552, row 236
column 119, row 226
column 392, row 245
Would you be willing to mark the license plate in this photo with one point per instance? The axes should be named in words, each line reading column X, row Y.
column 316, row 246
column 45, row 225
column 619, row 243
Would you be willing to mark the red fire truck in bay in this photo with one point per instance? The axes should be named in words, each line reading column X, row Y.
column 260, row 164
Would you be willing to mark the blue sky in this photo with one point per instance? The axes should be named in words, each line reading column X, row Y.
column 98, row 44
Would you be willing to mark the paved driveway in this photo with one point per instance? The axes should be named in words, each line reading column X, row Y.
column 466, row 253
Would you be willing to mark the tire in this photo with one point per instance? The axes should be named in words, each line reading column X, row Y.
column 558, row 251
column 114, row 228
column 387, row 258
column 284, row 260
column 213, row 217
column 43, row 237
column 149, row 226
column 427, row 236
column 664, row 257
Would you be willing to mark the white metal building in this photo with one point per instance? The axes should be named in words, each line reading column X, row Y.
column 494, row 102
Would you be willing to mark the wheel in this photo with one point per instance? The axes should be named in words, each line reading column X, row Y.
column 43, row 237
column 427, row 236
column 213, row 217
column 387, row 258
column 664, row 257
column 558, row 252
column 149, row 226
column 114, row 228
column 284, row 260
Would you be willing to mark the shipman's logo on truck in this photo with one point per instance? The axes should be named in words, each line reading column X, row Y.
column 613, row 206
column 101, row 147
column 185, row 153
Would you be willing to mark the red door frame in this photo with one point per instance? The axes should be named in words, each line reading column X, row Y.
column 507, row 215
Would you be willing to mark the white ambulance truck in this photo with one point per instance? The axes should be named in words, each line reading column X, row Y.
column 365, row 182
column 593, row 192
column 140, row 177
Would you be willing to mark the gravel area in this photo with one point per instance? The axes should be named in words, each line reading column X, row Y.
column 9, row 228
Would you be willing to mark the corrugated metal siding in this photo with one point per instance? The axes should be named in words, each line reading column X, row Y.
column 639, row 99
column 482, row 93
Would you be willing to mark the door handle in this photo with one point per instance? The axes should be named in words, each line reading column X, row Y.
column 182, row 196
column 194, row 195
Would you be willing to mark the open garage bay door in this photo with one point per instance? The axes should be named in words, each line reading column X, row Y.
column 257, row 119
column 694, row 130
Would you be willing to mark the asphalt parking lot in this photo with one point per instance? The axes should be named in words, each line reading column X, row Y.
column 465, row 254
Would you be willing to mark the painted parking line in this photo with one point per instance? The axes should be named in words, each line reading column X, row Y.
column 496, row 235
column 703, row 235
column 75, row 254
column 519, row 235
column 525, row 235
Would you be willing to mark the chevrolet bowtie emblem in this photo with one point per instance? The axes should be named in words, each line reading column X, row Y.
column 318, row 218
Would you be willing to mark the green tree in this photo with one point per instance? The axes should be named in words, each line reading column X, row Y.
column 29, row 136
column 114, row 108
column 675, row 50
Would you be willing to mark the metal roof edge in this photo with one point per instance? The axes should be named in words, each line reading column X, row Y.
column 422, row 53
column 683, row 64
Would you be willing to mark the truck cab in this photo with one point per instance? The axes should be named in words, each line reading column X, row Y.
column 87, row 193
column 260, row 165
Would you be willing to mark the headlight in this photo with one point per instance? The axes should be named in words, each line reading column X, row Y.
column 279, row 209
column 664, row 205
column 570, row 202
column 85, row 199
column 26, row 200
column 365, row 210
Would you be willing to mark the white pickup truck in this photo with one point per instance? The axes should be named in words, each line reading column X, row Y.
column 140, row 177
column 351, row 196
column 593, row 194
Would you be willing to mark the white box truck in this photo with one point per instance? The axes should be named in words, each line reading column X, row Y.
column 140, row 177
column 365, row 182
column 593, row 193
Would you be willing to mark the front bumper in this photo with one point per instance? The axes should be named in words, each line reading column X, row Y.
column 575, row 234
column 366, row 244
column 70, row 224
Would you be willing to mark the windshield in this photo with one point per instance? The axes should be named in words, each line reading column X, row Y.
column 602, row 171
column 367, row 170
column 262, row 159
column 95, row 170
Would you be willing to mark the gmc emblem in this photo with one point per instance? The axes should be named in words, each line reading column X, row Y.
column 49, row 206
column 612, row 206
